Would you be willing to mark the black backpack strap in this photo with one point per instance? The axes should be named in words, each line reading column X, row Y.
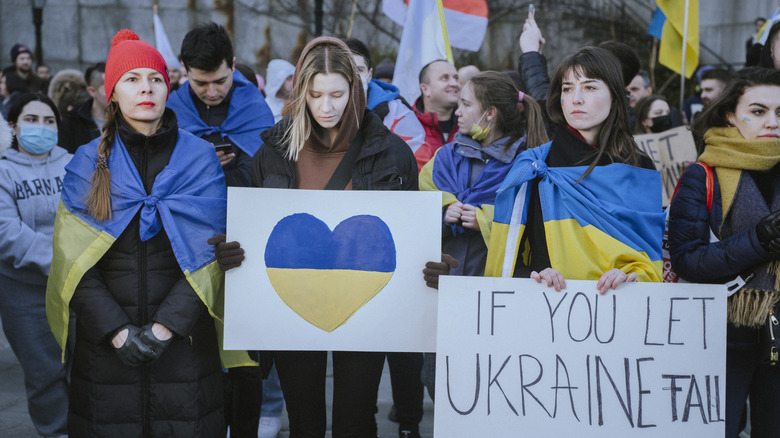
column 343, row 173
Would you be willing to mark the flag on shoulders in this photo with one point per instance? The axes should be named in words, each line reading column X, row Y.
column 670, row 52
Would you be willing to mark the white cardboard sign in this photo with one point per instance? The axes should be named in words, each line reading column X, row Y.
column 332, row 270
column 671, row 151
column 516, row 358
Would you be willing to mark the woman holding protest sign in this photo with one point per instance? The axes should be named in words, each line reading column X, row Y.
column 587, row 205
column 132, row 262
column 328, row 140
column 735, row 198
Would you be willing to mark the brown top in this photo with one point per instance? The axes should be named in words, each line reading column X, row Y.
column 318, row 160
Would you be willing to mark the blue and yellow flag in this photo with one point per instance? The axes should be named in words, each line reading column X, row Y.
column 591, row 226
column 670, row 52
column 449, row 171
column 188, row 198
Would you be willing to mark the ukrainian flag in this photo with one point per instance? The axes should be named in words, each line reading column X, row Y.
column 188, row 198
column 611, row 219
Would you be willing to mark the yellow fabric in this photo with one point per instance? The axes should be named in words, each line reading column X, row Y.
column 498, row 250
column 77, row 248
column 729, row 154
column 670, row 51
column 485, row 221
column 209, row 284
column 326, row 298
column 586, row 253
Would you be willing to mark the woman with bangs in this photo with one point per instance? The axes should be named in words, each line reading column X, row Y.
column 590, row 187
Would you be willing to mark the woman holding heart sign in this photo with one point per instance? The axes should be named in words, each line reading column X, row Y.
column 328, row 140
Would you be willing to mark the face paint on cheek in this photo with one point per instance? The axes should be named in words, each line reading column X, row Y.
column 745, row 120
column 561, row 102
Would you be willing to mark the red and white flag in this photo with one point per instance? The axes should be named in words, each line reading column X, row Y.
column 423, row 41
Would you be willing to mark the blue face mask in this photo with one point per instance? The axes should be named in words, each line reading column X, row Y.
column 37, row 139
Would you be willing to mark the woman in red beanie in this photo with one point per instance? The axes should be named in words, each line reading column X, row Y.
column 131, row 261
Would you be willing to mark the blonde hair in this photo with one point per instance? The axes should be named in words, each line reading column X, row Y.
column 323, row 58
column 99, row 198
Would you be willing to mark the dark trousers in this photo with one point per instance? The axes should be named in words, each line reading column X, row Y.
column 243, row 400
column 748, row 374
column 356, row 378
column 407, row 387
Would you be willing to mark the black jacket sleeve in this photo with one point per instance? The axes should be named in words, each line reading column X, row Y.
column 96, row 309
column 693, row 257
column 238, row 172
column 180, row 309
column 533, row 69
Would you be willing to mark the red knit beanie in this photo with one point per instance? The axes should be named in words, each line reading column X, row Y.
column 129, row 52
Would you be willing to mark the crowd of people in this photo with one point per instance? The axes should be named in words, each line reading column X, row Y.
column 114, row 194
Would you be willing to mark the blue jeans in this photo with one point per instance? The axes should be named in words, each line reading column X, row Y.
column 23, row 311
column 273, row 400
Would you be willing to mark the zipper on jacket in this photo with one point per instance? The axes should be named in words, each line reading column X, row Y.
column 142, row 297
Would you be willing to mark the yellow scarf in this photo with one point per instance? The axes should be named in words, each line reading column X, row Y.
column 729, row 154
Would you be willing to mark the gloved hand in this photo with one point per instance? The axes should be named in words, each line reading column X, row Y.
column 229, row 254
column 768, row 229
column 134, row 352
column 433, row 270
column 151, row 341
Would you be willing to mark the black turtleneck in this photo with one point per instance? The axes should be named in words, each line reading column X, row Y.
column 152, row 153
column 566, row 150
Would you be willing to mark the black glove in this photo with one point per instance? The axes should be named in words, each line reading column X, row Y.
column 151, row 341
column 229, row 254
column 768, row 229
column 433, row 270
column 134, row 352
column 773, row 248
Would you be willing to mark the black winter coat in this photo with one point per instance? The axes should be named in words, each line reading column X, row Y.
column 135, row 282
column 78, row 127
column 385, row 162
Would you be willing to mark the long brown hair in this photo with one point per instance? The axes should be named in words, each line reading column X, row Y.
column 495, row 89
column 326, row 55
column 99, row 198
column 614, row 137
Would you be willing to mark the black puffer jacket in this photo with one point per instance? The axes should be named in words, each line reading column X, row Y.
column 385, row 162
column 178, row 395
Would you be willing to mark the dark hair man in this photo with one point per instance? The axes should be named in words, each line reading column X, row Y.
column 713, row 83
column 219, row 104
column 22, row 60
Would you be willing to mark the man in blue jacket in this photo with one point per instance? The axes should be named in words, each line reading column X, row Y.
column 218, row 104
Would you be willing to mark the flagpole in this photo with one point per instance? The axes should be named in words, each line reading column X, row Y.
column 684, row 53
column 447, row 48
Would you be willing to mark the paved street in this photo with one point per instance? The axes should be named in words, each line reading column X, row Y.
column 15, row 422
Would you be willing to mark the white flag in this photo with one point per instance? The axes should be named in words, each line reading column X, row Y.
column 163, row 45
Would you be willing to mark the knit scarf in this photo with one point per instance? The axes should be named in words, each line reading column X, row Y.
column 743, row 206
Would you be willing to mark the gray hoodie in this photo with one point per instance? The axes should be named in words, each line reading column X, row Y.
column 29, row 195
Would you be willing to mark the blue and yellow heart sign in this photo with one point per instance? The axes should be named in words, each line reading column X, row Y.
column 326, row 276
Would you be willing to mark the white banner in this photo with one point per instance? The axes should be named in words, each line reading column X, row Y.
column 516, row 358
column 332, row 270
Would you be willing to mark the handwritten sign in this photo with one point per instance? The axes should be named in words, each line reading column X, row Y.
column 645, row 360
column 671, row 151
column 332, row 270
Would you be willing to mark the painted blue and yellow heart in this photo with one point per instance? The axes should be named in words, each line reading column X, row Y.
column 326, row 276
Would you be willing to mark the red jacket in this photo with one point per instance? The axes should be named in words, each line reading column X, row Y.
column 434, row 137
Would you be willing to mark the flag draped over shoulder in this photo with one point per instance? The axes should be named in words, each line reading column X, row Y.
column 591, row 226
column 670, row 52
column 163, row 45
column 423, row 38
column 188, row 198
column 248, row 115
